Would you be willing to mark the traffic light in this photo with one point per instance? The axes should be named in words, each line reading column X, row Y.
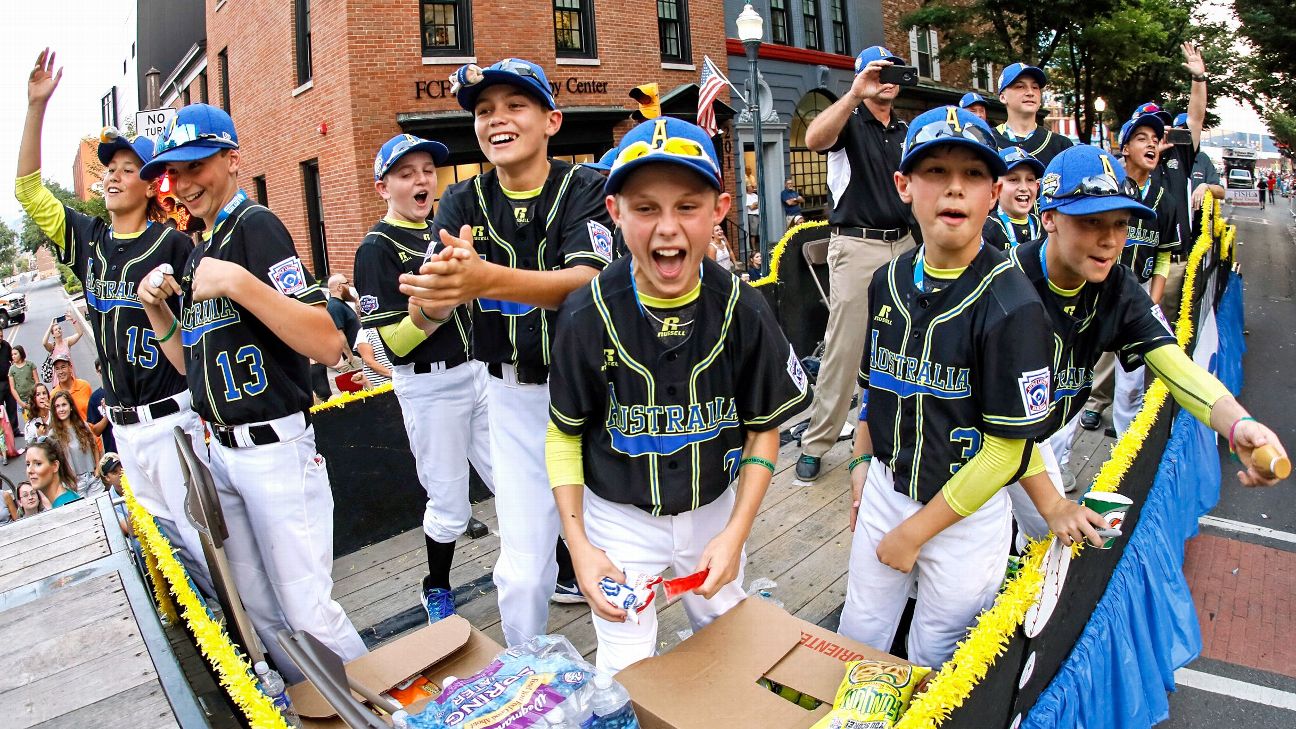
column 649, row 99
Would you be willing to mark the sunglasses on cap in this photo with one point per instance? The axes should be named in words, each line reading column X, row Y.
column 183, row 134
column 947, row 129
column 1100, row 185
column 672, row 147
column 1016, row 155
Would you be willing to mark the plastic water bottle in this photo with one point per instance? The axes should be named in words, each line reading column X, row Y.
column 273, row 686
column 556, row 718
column 400, row 719
column 611, row 705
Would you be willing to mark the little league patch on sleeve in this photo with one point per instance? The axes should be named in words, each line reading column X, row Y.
column 795, row 371
column 288, row 276
column 1160, row 316
column 600, row 239
column 1035, row 391
column 368, row 304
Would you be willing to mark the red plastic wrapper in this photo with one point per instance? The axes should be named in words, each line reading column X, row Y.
column 680, row 585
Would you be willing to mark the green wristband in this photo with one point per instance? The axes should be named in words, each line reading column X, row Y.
column 430, row 320
column 175, row 323
column 758, row 461
column 858, row 460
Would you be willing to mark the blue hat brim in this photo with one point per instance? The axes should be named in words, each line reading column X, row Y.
column 467, row 95
column 1034, row 164
column 988, row 155
column 597, row 166
column 108, row 150
column 1088, row 205
column 440, row 153
column 1147, row 120
column 616, row 179
column 1038, row 73
column 201, row 149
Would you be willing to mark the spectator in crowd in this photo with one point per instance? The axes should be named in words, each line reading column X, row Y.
column 719, row 249
column 31, row 500
column 54, row 340
column 6, row 362
column 792, row 202
column 345, row 319
column 1273, row 180
column 65, row 380
column 9, row 512
column 111, row 472
column 22, row 377
column 48, row 471
column 1261, row 186
column 975, row 103
column 38, row 413
column 78, row 442
column 377, row 365
column 751, row 204
column 97, row 415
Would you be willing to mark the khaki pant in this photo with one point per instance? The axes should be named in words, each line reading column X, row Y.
column 1103, row 383
column 1173, row 295
column 851, row 263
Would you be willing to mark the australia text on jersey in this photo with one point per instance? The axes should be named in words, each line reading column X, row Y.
column 638, row 430
column 104, row 295
column 206, row 316
column 907, row 376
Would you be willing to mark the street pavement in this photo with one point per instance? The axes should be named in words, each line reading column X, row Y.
column 1242, row 568
column 45, row 300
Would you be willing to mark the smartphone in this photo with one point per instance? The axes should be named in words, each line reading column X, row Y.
column 1181, row 137
column 900, row 75
column 60, row 318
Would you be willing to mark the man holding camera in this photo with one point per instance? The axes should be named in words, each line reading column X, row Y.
column 869, row 226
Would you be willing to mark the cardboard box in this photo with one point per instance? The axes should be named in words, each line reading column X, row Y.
column 451, row 647
column 710, row 679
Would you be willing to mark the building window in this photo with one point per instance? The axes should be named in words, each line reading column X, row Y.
column 983, row 77
column 923, row 51
column 780, row 28
column 259, row 184
column 810, row 16
column 447, row 27
column 185, row 98
column 574, row 29
column 808, row 169
column 673, row 31
column 202, row 86
column 108, row 108
column 222, row 60
column 840, row 33
column 302, row 28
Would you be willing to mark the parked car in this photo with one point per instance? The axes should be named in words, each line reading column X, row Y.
column 1239, row 179
column 13, row 307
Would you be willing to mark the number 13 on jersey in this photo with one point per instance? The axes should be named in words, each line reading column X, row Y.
column 248, row 357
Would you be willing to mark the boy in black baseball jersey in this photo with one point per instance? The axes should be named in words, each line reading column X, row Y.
column 670, row 379
column 517, row 240
column 1014, row 221
column 957, row 375
column 1021, row 89
column 250, row 316
column 1096, row 306
column 442, row 393
column 146, row 396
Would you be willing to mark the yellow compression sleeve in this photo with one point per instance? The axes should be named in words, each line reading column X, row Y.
column 402, row 337
column 983, row 476
column 1035, row 466
column 1162, row 265
column 42, row 206
column 1195, row 389
column 563, row 457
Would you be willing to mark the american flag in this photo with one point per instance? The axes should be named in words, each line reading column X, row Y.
column 709, row 87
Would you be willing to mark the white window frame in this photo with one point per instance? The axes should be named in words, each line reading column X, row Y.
column 990, row 75
column 933, row 45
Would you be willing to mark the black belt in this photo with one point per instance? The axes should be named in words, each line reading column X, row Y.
column 423, row 368
column 886, row 234
column 526, row 374
column 155, row 410
column 262, row 434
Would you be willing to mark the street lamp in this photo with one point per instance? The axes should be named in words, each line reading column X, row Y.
column 1100, row 105
column 751, row 29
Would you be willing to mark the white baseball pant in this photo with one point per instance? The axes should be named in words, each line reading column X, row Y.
column 278, row 508
column 1030, row 525
column 1062, row 441
column 526, row 570
column 152, row 465
column 635, row 540
column 958, row 573
column 446, row 421
column 1127, row 395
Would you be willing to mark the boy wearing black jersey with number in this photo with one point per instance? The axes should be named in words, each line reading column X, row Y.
column 250, row 317
column 957, row 378
column 1014, row 221
column 670, row 380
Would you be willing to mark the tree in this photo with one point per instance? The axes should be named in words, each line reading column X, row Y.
column 1267, row 25
column 32, row 237
column 1283, row 128
column 1003, row 31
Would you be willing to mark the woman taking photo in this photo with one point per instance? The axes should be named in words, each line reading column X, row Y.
column 80, row 445
column 48, row 471
column 37, row 413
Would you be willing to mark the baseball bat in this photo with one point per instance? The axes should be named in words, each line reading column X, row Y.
column 1270, row 464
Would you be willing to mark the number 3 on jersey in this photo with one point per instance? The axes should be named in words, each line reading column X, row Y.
column 247, row 355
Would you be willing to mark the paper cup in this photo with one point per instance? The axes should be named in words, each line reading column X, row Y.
column 1111, row 507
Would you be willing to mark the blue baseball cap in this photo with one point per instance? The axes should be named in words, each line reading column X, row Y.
column 664, row 139
column 950, row 125
column 1084, row 180
column 401, row 145
column 469, row 81
column 1148, row 120
column 1181, row 120
column 1013, row 72
column 1151, row 109
column 1016, row 156
column 971, row 98
column 197, row 131
column 111, row 141
column 604, row 163
column 875, row 53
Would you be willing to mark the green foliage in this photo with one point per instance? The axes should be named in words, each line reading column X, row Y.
column 31, row 236
column 1267, row 24
column 71, row 283
column 1283, row 128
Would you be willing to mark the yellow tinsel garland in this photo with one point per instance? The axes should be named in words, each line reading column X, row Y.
column 974, row 657
column 342, row 399
column 776, row 255
column 232, row 668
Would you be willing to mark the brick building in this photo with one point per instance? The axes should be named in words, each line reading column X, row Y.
column 316, row 86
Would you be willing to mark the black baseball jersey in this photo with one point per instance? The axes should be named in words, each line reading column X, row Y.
column 1113, row 316
column 1004, row 232
column 1147, row 238
column 110, row 267
column 239, row 371
column 1043, row 144
column 1174, row 172
column 567, row 225
column 861, row 173
column 663, row 419
column 387, row 251
column 945, row 369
